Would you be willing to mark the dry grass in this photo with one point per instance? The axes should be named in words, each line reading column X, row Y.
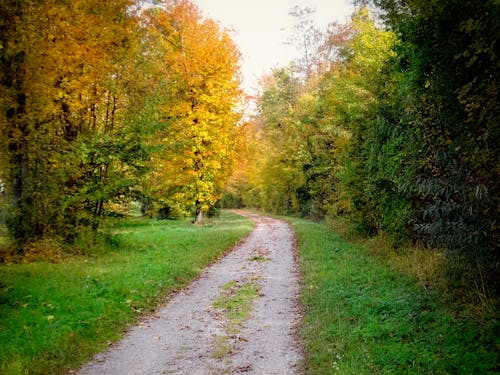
column 425, row 264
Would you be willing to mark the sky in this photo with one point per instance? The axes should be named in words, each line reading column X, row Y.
column 261, row 28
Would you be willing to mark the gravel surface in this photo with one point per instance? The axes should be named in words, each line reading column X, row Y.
column 190, row 336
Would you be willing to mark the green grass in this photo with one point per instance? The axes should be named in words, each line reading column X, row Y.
column 258, row 258
column 362, row 317
column 236, row 302
column 55, row 316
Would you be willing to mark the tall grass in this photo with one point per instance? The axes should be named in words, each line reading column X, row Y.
column 361, row 316
column 55, row 316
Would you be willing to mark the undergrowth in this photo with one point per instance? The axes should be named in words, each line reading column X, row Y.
column 429, row 266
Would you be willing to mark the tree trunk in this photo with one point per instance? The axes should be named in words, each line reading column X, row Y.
column 198, row 214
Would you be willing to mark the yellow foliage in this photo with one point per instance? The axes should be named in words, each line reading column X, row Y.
column 201, row 67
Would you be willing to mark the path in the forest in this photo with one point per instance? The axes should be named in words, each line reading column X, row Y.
column 189, row 335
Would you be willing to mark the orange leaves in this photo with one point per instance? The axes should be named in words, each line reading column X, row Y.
column 71, row 50
column 66, row 107
column 200, row 64
column 88, row 88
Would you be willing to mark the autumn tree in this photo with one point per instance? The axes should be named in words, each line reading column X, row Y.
column 64, row 103
column 312, row 119
column 200, row 65
column 276, row 138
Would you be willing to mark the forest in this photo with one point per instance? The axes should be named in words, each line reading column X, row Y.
column 392, row 124
column 389, row 122
column 125, row 134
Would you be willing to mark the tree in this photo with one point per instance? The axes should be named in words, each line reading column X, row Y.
column 199, row 146
column 63, row 105
column 447, row 62
column 281, row 142
column 311, row 122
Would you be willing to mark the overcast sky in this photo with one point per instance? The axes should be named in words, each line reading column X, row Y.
column 261, row 28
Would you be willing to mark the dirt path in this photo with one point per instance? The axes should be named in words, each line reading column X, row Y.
column 190, row 335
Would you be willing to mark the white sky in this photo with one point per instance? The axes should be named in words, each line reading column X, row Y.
column 261, row 28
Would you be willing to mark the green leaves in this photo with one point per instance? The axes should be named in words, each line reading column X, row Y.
column 398, row 130
column 448, row 116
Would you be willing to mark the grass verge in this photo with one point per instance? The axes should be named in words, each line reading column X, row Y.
column 362, row 317
column 55, row 316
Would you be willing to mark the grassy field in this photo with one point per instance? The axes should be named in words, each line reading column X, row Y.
column 54, row 316
column 362, row 317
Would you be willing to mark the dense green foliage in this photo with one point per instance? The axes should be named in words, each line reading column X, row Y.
column 54, row 316
column 397, row 127
column 446, row 115
column 361, row 317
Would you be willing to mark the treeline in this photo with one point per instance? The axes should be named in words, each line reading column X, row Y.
column 103, row 102
column 393, row 124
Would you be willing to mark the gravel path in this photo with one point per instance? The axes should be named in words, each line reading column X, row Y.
column 191, row 336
